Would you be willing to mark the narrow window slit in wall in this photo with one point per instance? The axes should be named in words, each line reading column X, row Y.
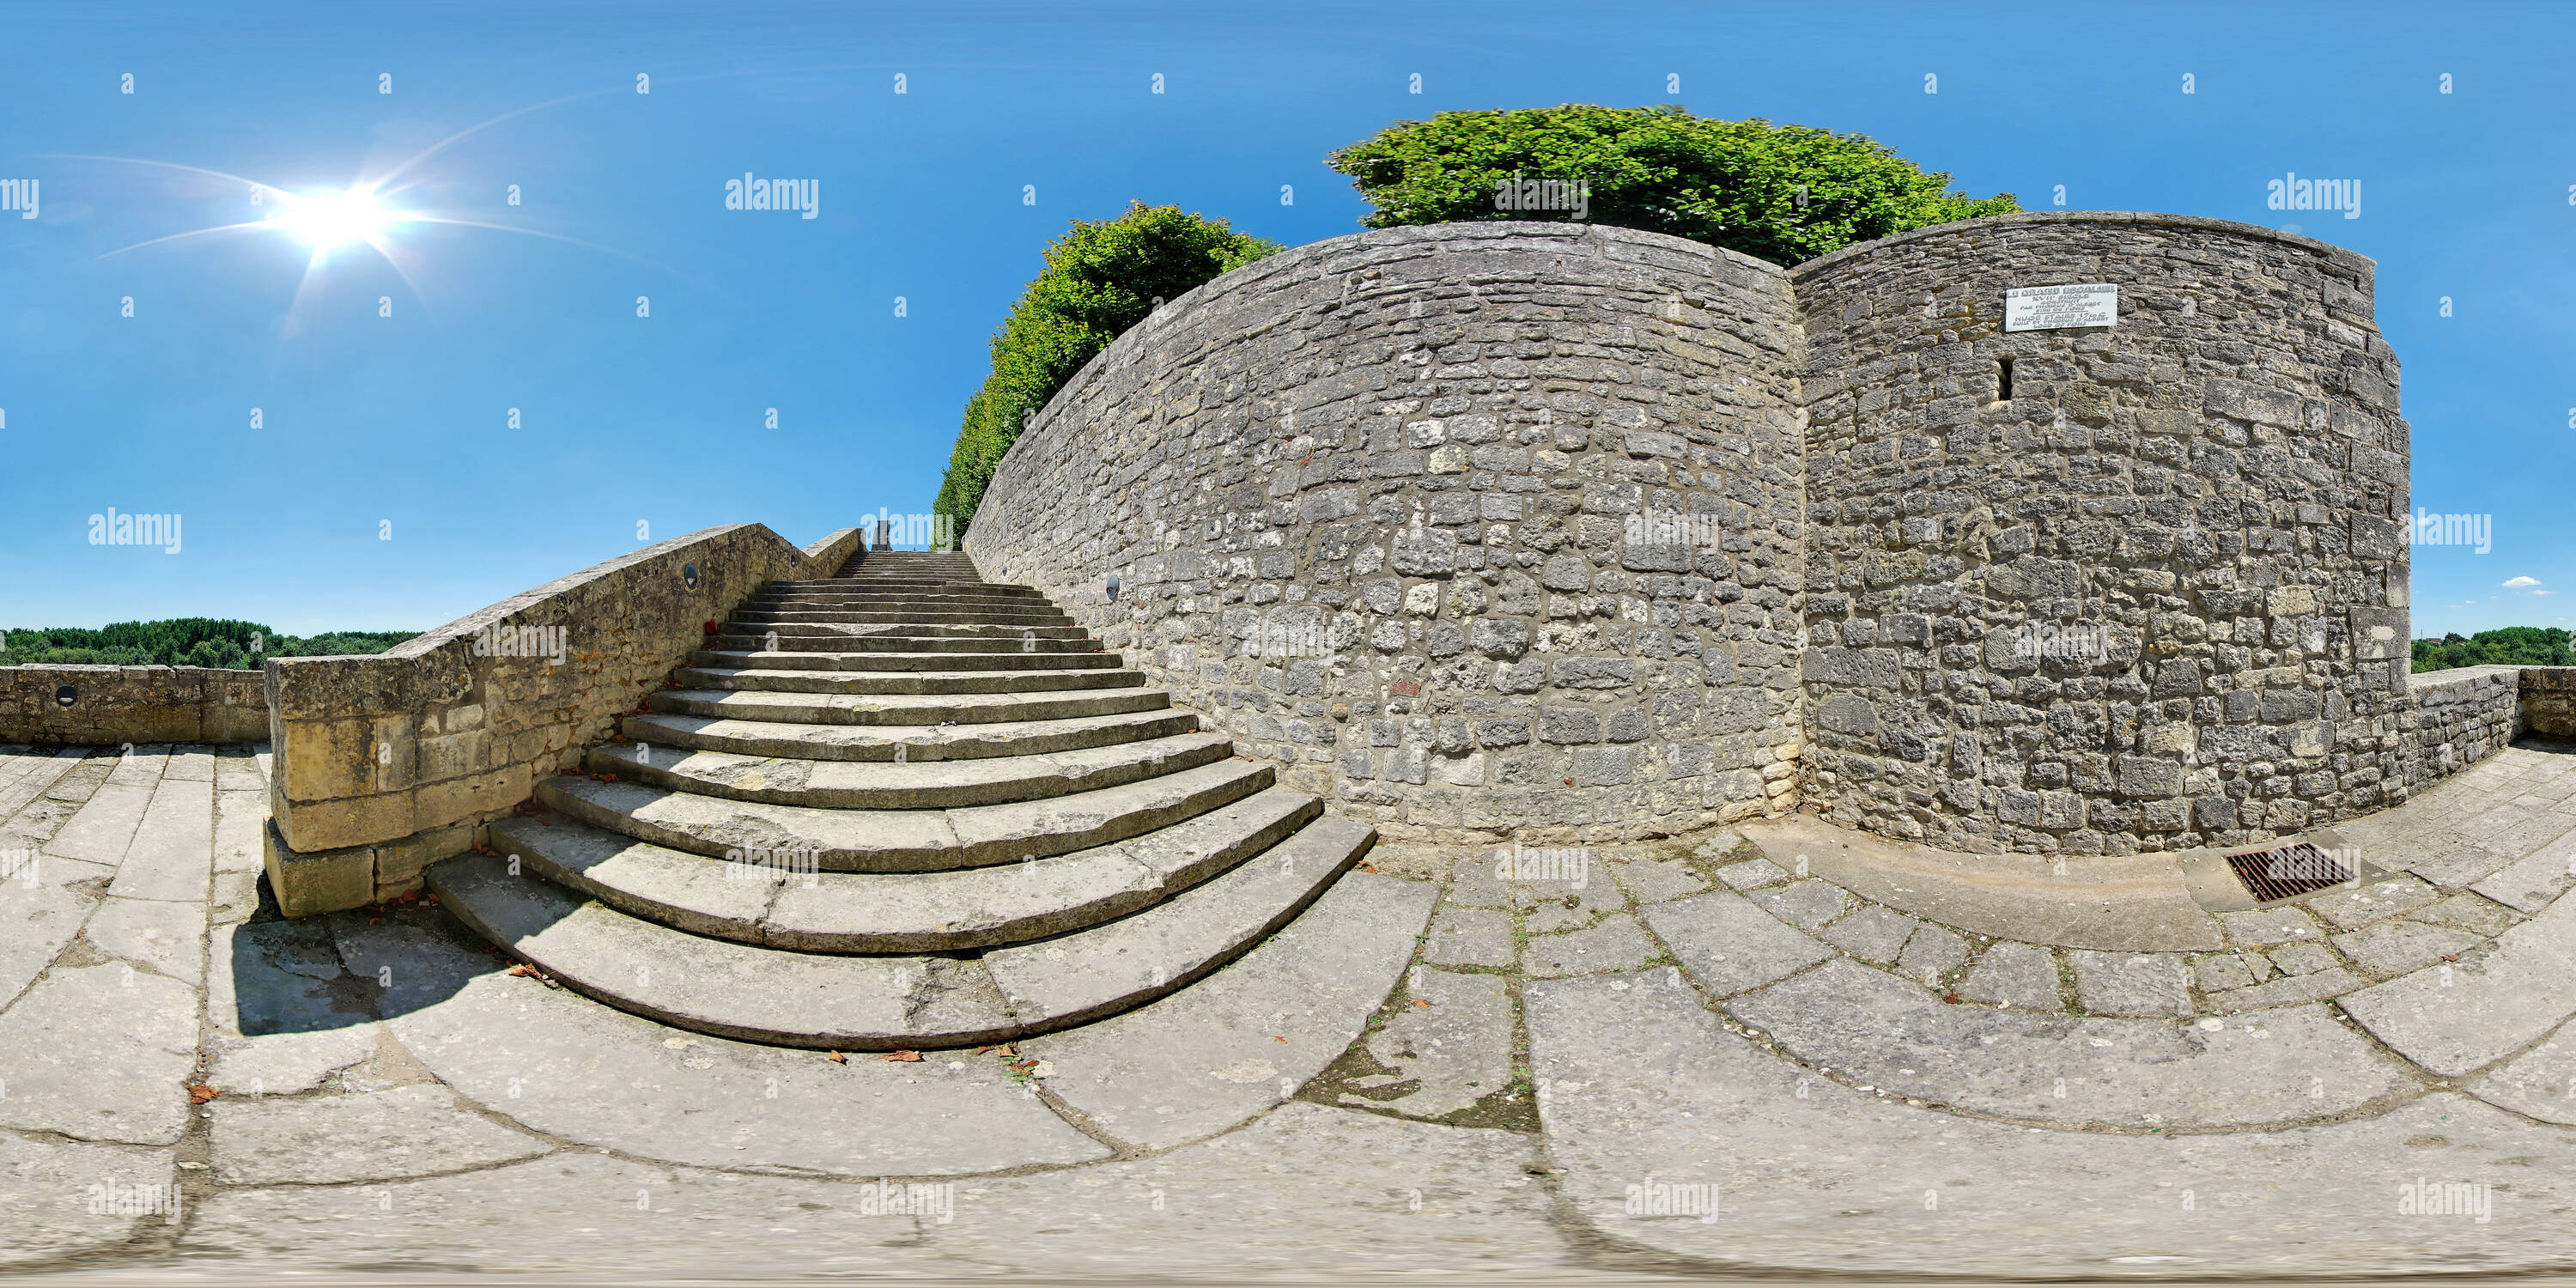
column 2006, row 395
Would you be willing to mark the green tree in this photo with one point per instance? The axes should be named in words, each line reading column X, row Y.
column 2504, row 646
column 1100, row 279
column 1783, row 193
column 181, row 641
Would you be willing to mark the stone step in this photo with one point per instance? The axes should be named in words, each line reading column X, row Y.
column 754, row 621
column 924, row 784
column 923, row 840
column 872, row 631
column 866, row 912
column 903, row 643
column 905, row 662
column 971, row 592
column 784, row 679
column 903, row 709
column 878, row 1003
column 881, row 742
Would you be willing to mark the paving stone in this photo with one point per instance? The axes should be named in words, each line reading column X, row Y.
column 1615, row 944
column 559, row 1063
column 1472, row 884
column 2285, row 991
column 1874, row 933
column 43, row 909
column 2474, row 913
column 2458, row 864
column 1931, row 955
column 2270, row 926
column 2453, row 1019
column 1729, row 945
column 1890, row 1035
column 1550, row 906
column 282, row 1016
column 1657, row 880
column 370, row 1136
column 1826, row 1181
column 2130, row 983
column 2396, row 947
column 239, row 816
column 39, row 779
column 2529, row 885
column 1470, row 937
column 1210, row 1056
column 104, row 826
column 100, row 1053
column 2015, row 976
column 2217, row 972
column 571, row 1215
column 1805, row 904
column 173, row 853
column 1459, row 1048
column 1752, row 874
column 167, row 938
column 2540, row 1082
column 1720, row 843
column 48, row 1189
column 2301, row 958
column 2348, row 909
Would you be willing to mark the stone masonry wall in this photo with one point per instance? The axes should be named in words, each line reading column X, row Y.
column 2459, row 717
column 2549, row 700
column 2214, row 489
column 121, row 704
column 1477, row 525
column 389, row 762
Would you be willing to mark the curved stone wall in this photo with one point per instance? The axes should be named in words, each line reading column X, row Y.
column 2157, row 597
column 1490, row 526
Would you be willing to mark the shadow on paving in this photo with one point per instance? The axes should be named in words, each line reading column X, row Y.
column 301, row 977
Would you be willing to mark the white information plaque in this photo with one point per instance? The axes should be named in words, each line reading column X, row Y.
column 2048, row 308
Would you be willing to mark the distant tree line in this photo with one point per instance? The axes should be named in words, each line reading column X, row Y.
column 2510, row 646
column 181, row 641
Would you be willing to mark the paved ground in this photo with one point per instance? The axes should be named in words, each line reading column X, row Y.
column 1864, row 1058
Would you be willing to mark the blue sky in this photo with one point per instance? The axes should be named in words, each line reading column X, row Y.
column 375, row 425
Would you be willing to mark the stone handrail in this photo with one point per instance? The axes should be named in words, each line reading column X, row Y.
column 388, row 762
column 107, row 705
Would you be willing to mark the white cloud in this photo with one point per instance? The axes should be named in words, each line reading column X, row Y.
column 2523, row 583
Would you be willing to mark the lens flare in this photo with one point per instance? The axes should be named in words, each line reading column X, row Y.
column 328, row 219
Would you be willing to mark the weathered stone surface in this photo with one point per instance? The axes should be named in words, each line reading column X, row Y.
column 1729, row 945
column 162, row 937
column 2529, row 885
column 1931, row 955
column 63, row 1198
column 1804, row 904
column 1874, row 933
column 1242, row 1040
column 2131, row 983
column 2334, row 981
column 1457, row 1049
column 562, row 1064
column 366, row 1136
column 2015, row 975
column 2346, row 909
column 2396, row 947
column 2454, row 1019
column 1470, row 937
column 1615, row 943
column 1796, row 1167
column 1657, row 880
column 100, row 1053
column 173, row 852
column 2271, row 926
column 2540, row 1082
column 1752, row 874
column 1890, row 1035
column 282, row 1016
column 43, row 908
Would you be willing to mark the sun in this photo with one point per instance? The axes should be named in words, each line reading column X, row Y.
column 328, row 219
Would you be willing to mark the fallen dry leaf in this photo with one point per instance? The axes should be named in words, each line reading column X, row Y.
column 837, row 1058
column 905, row 1057
column 198, row 1095
column 1276, row 1038
column 1422, row 1001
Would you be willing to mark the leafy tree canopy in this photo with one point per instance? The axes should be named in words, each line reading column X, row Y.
column 181, row 641
column 2508, row 646
column 1735, row 184
column 1100, row 279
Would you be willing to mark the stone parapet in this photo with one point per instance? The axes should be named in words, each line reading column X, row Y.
column 109, row 705
column 386, row 763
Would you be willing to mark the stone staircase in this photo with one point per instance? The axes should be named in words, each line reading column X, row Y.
column 900, row 807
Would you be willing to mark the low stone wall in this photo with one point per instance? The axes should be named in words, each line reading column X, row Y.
column 2549, row 700
column 390, row 762
column 2456, row 718
column 1476, row 525
column 109, row 705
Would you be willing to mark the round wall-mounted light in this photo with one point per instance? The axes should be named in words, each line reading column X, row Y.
column 1113, row 585
column 66, row 695
column 689, row 575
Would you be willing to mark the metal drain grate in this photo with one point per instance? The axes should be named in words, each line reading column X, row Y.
column 2290, row 871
